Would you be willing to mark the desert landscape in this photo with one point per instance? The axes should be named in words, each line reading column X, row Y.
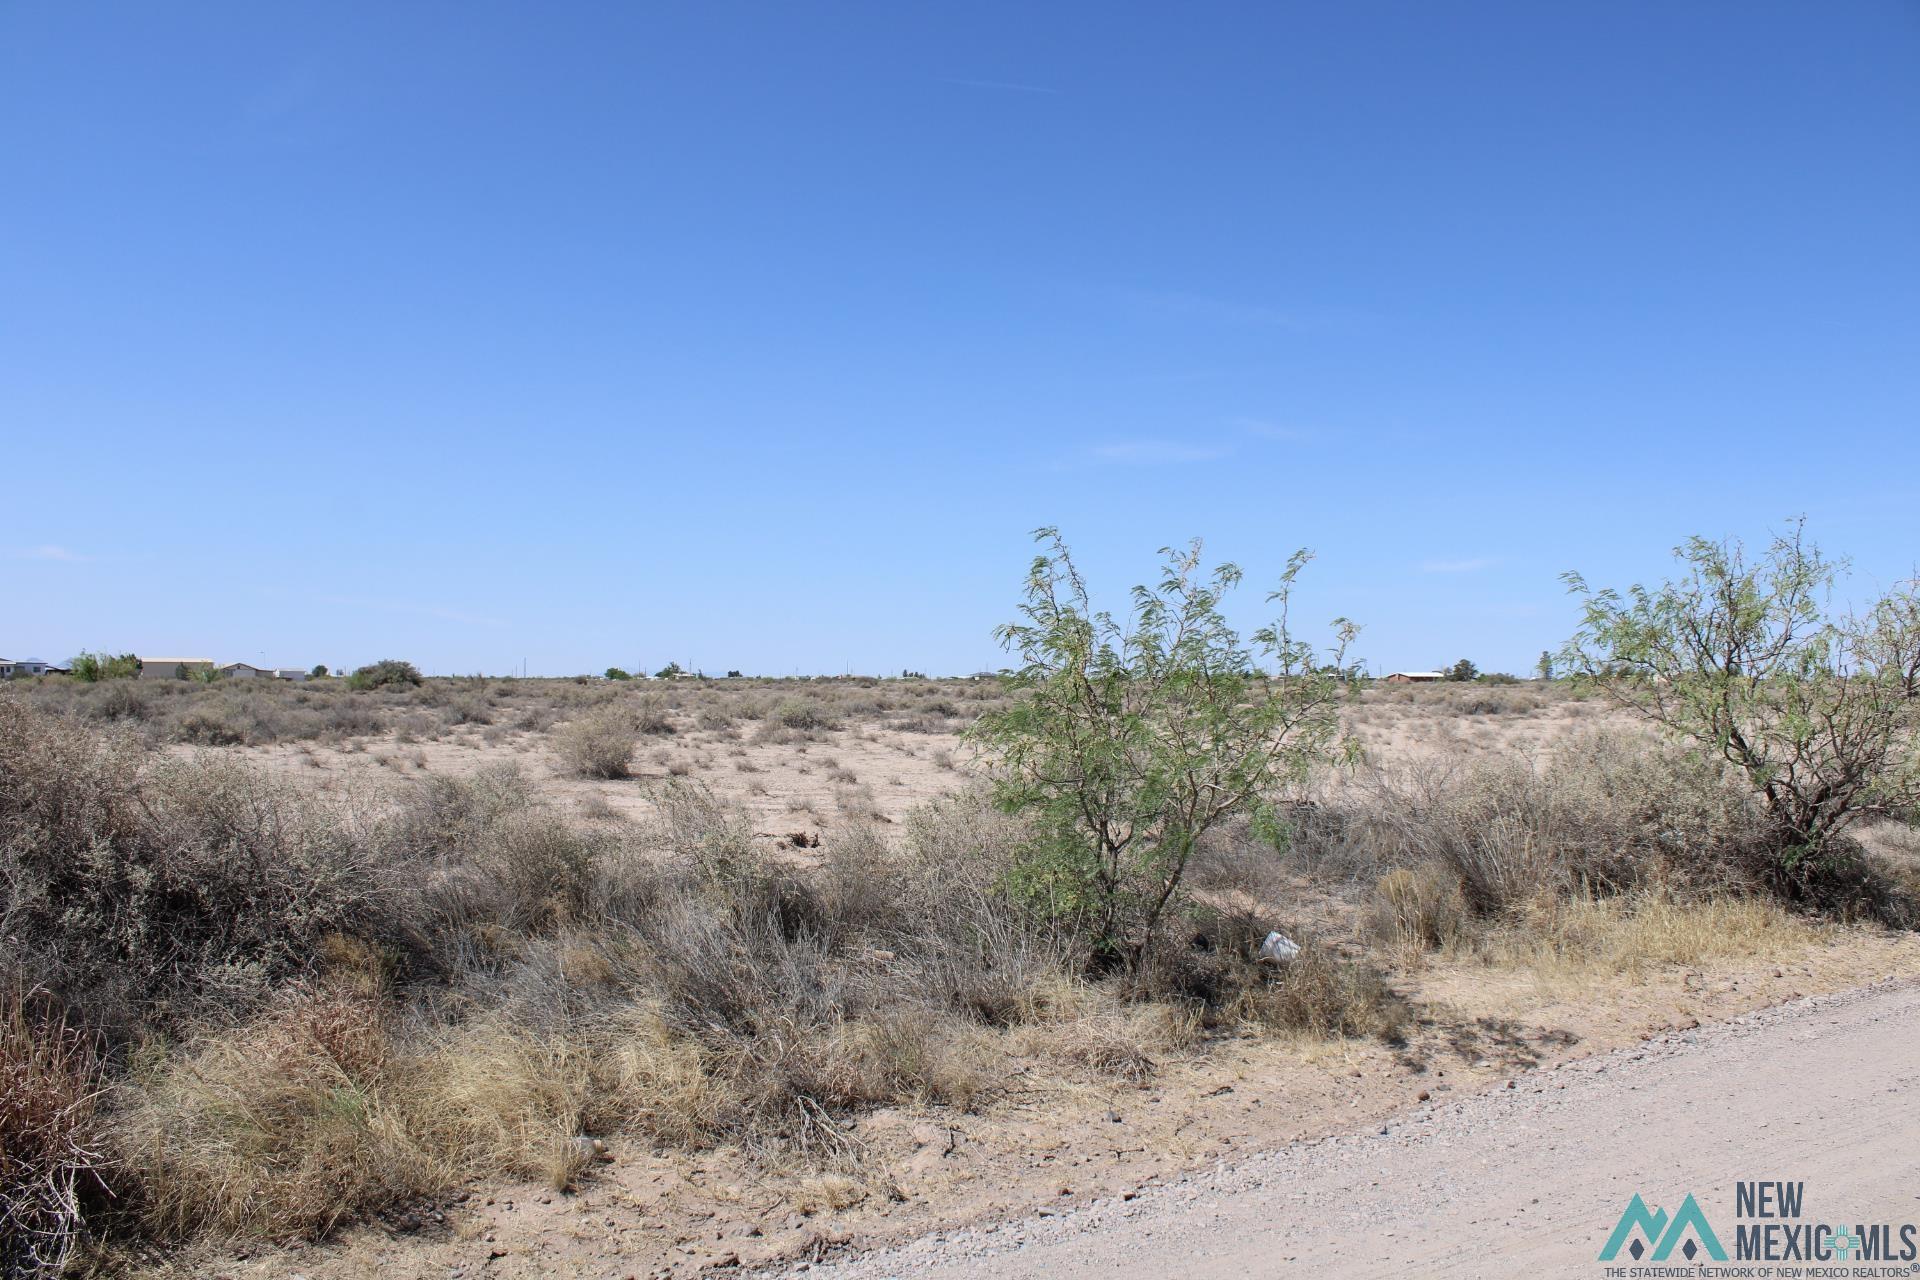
column 595, row 978
column 648, row 641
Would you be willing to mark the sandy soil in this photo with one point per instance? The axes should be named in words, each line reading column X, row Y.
column 865, row 772
column 1048, row 1146
column 808, row 789
column 1532, row 1177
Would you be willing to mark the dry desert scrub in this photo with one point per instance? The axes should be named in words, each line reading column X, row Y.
column 232, row 712
column 599, row 744
column 320, row 1009
column 313, row 1009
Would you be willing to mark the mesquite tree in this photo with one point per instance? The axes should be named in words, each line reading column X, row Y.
column 1817, row 708
column 1126, row 742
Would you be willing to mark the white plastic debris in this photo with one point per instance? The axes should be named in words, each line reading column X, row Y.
column 1278, row 949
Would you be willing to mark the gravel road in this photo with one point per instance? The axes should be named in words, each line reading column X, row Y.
column 1526, row 1180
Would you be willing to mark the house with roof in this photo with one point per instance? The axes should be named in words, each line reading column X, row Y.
column 289, row 673
column 1413, row 677
column 173, row 668
column 244, row 671
column 11, row 667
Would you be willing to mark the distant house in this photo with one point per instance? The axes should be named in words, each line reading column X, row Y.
column 289, row 673
column 173, row 668
column 11, row 667
column 244, row 671
column 1414, row 677
column 6, row 668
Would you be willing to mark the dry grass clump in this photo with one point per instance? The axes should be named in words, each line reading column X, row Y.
column 324, row 1110
column 1416, row 909
column 652, row 717
column 287, row 1125
column 1097, row 1028
column 54, row 1167
column 1323, row 995
column 1586, row 935
column 599, row 744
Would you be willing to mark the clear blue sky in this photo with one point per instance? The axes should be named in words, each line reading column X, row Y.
column 761, row 334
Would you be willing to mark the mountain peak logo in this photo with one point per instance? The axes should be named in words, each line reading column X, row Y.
column 1687, row 1230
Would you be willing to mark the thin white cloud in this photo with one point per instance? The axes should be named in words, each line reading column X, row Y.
column 1004, row 86
column 65, row 555
column 1155, row 452
column 1457, row 566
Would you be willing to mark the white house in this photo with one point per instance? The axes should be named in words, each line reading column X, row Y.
column 289, row 673
column 243, row 671
column 6, row 668
column 11, row 667
column 1414, row 677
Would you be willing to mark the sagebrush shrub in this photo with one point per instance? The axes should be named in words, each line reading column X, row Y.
column 138, row 886
column 599, row 744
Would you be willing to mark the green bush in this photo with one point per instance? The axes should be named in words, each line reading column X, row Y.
column 95, row 667
column 1129, row 743
column 1752, row 665
column 387, row 671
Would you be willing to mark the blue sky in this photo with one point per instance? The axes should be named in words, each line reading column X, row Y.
column 761, row 335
